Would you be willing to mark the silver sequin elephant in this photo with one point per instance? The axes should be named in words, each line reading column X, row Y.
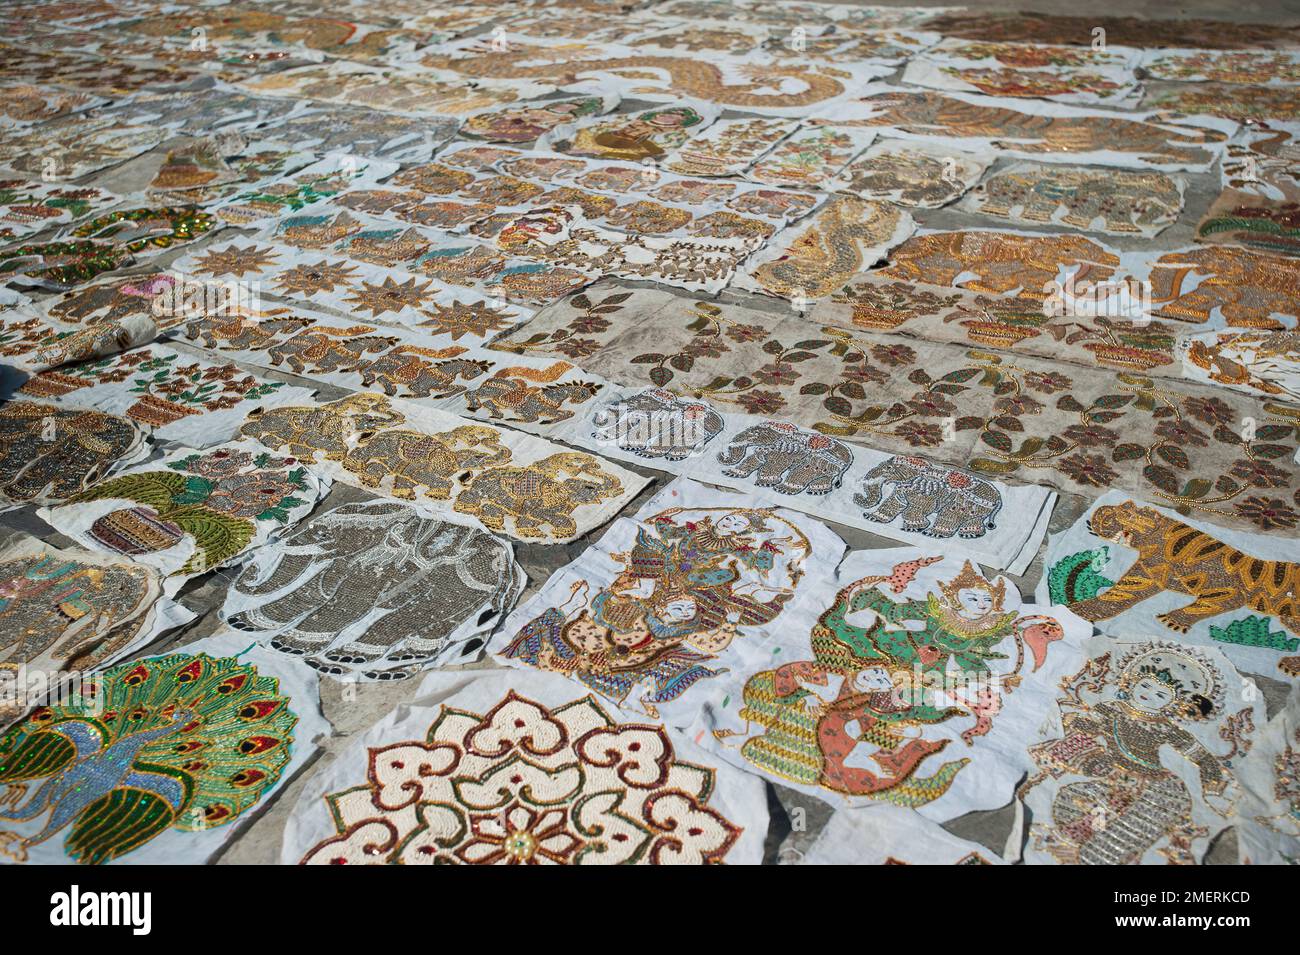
column 658, row 424
column 789, row 459
column 373, row 588
column 934, row 501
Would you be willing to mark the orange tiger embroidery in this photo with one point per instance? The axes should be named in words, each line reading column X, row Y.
column 1177, row 557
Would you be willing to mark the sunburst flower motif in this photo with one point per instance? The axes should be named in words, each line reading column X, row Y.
column 315, row 277
column 235, row 260
column 390, row 296
column 464, row 318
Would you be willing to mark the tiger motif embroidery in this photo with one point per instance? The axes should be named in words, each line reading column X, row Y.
column 1179, row 558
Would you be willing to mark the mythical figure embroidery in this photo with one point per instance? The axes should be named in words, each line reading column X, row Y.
column 691, row 582
column 176, row 742
column 69, row 606
column 918, row 663
column 1121, row 802
column 48, row 453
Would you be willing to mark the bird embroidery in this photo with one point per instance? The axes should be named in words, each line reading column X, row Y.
column 176, row 742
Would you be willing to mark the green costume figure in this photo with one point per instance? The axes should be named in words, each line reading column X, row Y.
column 889, row 672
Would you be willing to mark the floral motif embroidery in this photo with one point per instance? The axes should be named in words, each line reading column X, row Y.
column 524, row 784
column 156, row 386
column 1080, row 429
column 27, row 207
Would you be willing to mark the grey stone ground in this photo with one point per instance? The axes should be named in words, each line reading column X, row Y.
column 353, row 708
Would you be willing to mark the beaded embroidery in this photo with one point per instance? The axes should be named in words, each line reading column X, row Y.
column 526, row 784
column 176, row 742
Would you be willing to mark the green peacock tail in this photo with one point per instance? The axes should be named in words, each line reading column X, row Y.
column 217, row 536
column 156, row 489
column 237, row 743
column 223, row 736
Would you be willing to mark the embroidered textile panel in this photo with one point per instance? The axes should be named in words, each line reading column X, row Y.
column 1102, row 793
column 530, row 771
column 191, row 511
column 1081, row 430
column 508, row 482
column 1136, row 570
column 152, row 800
column 375, row 591
column 909, row 678
column 50, row 453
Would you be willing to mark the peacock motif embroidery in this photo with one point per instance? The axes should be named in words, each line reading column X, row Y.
column 183, row 742
column 217, row 500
